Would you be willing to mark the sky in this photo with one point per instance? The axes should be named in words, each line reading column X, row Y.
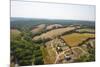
column 52, row 11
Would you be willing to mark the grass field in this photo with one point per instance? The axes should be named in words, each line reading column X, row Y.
column 75, row 39
column 49, row 55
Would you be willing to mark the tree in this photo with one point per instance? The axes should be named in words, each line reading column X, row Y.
column 38, row 61
column 23, row 51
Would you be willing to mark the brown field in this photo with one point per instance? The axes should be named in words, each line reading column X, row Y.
column 38, row 29
column 85, row 30
column 75, row 39
column 53, row 33
column 14, row 33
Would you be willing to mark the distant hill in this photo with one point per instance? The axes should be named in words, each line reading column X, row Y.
column 30, row 22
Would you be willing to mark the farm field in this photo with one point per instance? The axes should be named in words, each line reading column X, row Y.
column 53, row 33
column 75, row 39
column 86, row 30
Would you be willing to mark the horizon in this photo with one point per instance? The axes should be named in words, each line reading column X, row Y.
column 50, row 19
